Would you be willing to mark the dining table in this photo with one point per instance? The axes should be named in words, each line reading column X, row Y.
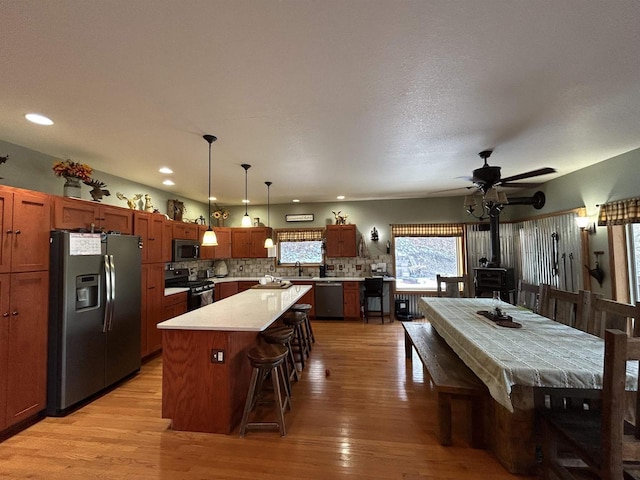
column 518, row 357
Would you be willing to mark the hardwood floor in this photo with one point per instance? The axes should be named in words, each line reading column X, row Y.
column 372, row 417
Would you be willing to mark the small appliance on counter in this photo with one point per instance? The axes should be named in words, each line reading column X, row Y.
column 220, row 268
column 378, row 269
column 323, row 271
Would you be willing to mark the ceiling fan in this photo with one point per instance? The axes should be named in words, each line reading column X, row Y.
column 488, row 176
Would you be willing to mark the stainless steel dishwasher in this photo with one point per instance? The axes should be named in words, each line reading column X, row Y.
column 329, row 301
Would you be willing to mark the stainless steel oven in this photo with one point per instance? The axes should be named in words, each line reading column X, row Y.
column 200, row 293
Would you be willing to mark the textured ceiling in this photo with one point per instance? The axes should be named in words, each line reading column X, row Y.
column 368, row 99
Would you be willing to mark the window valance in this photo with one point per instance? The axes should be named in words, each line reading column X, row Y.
column 299, row 235
column 620, row 212
column 427, row 230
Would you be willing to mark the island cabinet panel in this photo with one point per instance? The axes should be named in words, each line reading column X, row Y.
column 308, row 297
column 341, row 241
column 73, row 214
column 152, row 307
column 23, row 345
column 249, row 242
column 351, row 298
column 186, row 231
column 24, row 230
column 225, row 289
column 198, row 395
column 149, row 226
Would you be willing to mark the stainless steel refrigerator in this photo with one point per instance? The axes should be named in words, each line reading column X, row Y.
column 94, row 315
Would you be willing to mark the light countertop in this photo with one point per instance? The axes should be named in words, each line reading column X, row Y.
column 251, row 311
column 174, row 291
column 298, row 279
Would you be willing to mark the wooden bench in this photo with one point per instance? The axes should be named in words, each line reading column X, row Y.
column 452, row 380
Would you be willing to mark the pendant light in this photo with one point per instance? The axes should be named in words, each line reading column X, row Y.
column 246, row 220
column 209, row 239
column 268, row 242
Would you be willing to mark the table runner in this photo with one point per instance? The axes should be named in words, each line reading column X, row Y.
column 542, row 353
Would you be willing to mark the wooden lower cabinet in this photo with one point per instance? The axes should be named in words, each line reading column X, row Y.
column 23, row 346
column 351, row 296
column 225, row 289
column 246, row 285
column 152, row 307
column 174, row 305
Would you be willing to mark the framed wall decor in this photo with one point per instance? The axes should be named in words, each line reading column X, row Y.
column 299, row 217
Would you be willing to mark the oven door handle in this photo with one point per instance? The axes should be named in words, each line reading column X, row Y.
column 197, row 294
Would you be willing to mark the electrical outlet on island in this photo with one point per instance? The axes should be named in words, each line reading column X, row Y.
column 358, row 267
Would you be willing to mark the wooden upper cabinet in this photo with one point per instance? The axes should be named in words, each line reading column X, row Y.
column 167, row 240
column 74, row 214
column 249, row 242
column 185, row 231
column 240, row 243
column 5, row 287
column 150, row 228
column 223, row 250
column 25, row 218
column 206, row 253
column 341, row 241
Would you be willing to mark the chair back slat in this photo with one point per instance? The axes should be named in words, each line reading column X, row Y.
column 455, row 287
column 528, row 295
column 560, row 305
column 602, row 313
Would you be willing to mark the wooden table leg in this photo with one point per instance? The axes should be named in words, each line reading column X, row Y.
column 444, row 418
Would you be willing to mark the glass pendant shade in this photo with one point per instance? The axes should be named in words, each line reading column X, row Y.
column 209, row 238
column 246, row 220
column 268, row 242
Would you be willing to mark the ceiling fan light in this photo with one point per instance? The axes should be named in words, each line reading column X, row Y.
column 209, row 239
column 491, row 196
column 470, row 201
column 502, row 198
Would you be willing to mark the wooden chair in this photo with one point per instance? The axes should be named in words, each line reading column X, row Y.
column 452, row 286
column 601, row 439
column 600, row 314
column 528, row 295
column 560, row 305
column 373, row 288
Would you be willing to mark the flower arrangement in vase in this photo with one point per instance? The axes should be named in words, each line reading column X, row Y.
column 74, row 173
column 220, row 214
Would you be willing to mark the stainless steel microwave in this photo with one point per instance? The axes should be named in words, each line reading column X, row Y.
column 185, row 250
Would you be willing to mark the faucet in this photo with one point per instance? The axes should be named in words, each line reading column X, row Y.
column 297, row 264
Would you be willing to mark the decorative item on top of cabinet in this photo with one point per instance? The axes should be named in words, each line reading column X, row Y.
column 175, row 209
column 340, row 241
column 340, row 219
column 132, row 202
column 220, row 214
column 148, row 205
column 73, row 173
column 25, row 223
column 3, row 159
column 97, row 189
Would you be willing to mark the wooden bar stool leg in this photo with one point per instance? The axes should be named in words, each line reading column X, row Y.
column 278, row 394
column 248, row 405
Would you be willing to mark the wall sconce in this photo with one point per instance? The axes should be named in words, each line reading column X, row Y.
column 585, row 225
column 374, row 235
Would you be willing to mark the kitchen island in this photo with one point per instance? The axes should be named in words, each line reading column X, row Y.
column 205, row 371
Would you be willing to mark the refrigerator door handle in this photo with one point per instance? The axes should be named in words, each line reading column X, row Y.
column 107, row 296
column 113, row 291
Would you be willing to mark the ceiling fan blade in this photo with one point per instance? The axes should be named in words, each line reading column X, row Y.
column 532, row 173
column 453, row 189
column 520, row 185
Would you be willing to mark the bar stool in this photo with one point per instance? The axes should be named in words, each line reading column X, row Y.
column 296, row 321
column 283, row 336
column 265, row 360
column 306, row 308
column 373, row 288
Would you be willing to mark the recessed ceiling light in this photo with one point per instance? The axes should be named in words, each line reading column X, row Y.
column 213, row 199
column 39, row 119
column 295, row 200
column 244, row 200
column 168, row 182
column 340, row 197
column 165, row 170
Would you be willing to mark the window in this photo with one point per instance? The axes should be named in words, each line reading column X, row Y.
column 304, row 246
column 424, row 251
column 634, row 260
